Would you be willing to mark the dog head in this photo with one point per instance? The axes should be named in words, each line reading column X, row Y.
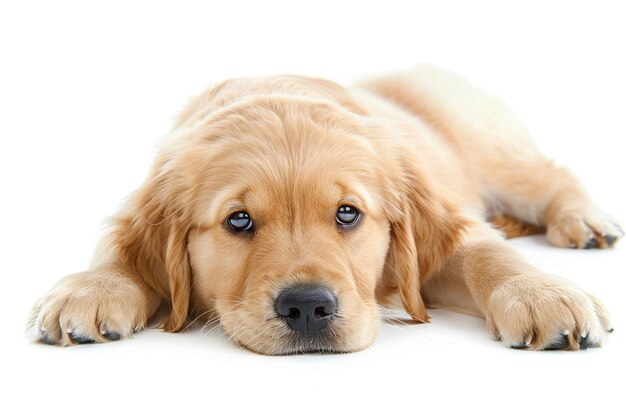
column 286, row 217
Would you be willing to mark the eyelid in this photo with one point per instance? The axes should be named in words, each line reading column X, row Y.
column 353, row 202
column 235, row 207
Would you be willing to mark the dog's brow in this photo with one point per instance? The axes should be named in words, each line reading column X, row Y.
column 352, row 199
column 358, row 195
column 225, row 198
column 236, row 206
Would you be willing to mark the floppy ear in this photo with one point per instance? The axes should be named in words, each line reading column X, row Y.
column 151, row 237
column 425, row 231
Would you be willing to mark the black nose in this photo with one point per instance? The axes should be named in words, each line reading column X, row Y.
column 306, row 308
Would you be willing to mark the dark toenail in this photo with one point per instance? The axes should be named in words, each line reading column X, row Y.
column 611, row 330
column 112, row 336
column 559, row 344
column 81, row 340
column 582, row 343
column 45, row 338
column 610, row 239
column 591, row 244
column 519, row 345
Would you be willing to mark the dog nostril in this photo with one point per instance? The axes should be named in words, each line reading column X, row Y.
column 320, row 313
column 294, row 313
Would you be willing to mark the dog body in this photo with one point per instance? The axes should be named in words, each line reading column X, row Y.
column 291, row 207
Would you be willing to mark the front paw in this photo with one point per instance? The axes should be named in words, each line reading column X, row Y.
column 90, row 307
column 543, row 313
column 586, row 228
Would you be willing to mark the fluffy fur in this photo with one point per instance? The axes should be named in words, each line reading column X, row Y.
column 424, row 155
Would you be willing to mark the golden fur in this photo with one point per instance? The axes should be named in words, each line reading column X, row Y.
column 424, row 155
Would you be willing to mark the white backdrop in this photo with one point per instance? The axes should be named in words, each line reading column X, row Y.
column 87, row 89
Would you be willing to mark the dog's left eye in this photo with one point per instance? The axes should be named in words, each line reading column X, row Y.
column 240, row 221
column 347, row 216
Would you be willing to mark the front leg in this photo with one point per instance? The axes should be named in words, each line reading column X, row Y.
column 523, row 307
column 100, row 305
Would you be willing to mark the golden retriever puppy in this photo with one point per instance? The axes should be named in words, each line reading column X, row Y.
column 291, row 207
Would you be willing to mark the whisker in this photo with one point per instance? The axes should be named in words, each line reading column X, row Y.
column 196, row 319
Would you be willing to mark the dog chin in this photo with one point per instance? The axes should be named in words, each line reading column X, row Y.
column 293, row 345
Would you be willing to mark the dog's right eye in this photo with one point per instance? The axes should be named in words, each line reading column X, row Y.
column 347, row 216
column 240, row 221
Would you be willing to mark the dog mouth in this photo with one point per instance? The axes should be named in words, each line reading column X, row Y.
column 302, row 319
column 314, row 352
column 321, row 342
column 284, row 341
column 289, row 342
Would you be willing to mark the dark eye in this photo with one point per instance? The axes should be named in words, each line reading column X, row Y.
column 240, row 221
column 347, row 216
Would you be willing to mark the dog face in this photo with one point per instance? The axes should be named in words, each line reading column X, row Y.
column 285, row 219
column 291, row 245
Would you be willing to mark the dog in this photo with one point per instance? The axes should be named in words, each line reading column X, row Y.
column 290, row 208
